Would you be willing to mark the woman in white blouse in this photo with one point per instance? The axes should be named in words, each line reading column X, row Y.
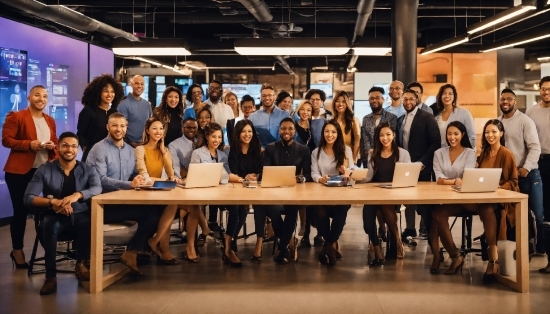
column 331, row 157
column 449, row 165
column 448, row 112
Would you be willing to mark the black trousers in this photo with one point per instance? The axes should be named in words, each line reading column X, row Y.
column 283, row 228
column 369, row 222
column 331, row 231
column 76, row 227
column 544, row 168
column 236, row 219
column 17, row 184
column 147, row 217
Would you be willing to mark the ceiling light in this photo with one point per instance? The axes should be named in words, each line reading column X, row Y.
column 445, row 44
column 544, row 59
column 148, row 61
column 499, row 18
column 373, row 51
column 292, row 46
column 150, row 47
column 372, row 47
column 516, row 42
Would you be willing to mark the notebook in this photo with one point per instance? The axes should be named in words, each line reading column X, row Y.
column 203, row 175
column 349, row 179
column 475, row 180
column 404, row 175
column 158, row 186
column 278, row 176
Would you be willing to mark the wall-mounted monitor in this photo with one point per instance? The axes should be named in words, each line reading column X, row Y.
column 13, row 81
column 327, row 88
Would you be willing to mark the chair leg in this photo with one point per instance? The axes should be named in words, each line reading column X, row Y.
column 33, row 255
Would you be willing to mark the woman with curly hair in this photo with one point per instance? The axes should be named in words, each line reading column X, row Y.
column 100, row 98
column 170, row 112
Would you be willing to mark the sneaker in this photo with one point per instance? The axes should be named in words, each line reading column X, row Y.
column 408, row 233
column 423, row 233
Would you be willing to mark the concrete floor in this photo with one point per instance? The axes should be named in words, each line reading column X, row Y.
column 402, row 286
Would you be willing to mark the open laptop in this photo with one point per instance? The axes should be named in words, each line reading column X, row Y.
column 278, row 176
column 158, row 186
column 405, row 175
column 349, row 179
column 479, row 180
column 203, row 175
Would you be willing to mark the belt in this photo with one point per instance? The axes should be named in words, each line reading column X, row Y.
column 545, row 156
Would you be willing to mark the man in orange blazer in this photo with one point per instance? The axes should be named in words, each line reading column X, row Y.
column 30, row 136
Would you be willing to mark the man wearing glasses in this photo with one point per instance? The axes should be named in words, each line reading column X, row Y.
column 396, row 95
column 266, row 120
column 181, row 149
column 317, row 98
column 220, row 111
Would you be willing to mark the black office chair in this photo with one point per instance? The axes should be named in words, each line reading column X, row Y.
column 466, row 234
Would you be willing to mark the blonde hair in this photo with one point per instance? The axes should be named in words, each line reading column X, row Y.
column 303, row 102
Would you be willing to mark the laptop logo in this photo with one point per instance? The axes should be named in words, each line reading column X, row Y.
column 481, row 179
column 407, row 174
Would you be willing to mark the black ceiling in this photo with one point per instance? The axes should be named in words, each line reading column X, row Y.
column 211, row 26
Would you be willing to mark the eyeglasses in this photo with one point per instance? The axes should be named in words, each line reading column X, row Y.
column 67, row 146
column 215, row 88
column 395, row 88
column 376, row 98
column 409, row 99
column 544, row 89
column 508, row 99
column 267, row 95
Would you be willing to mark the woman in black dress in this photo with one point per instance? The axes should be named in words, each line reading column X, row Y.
column 170, row 112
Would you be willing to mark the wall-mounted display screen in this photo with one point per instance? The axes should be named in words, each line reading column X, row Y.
column 327, row 88
column 13, row 81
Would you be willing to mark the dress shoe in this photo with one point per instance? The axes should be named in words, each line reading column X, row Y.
column 129, row 259
column 331, row 254
column 256, row 259
column 305, row 243
column 81, row 272
column 172, row 261
column 492, row 278
column 282, row 257
column 49, row 286
column 407, row 235
column 376, row 262
column 190, row 260
column 545, row 270
column 227, row 261
column 318, row 241
column 23, row 265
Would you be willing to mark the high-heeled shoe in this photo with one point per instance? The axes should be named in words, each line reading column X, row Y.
column 400, row 250
column 457, row 265
column 492, row 278
column 227, row 261
column 256, row 259
column 24, row 265
column 434, row 269
column 339, row 255
column 167, row 262
column 154, row 247
column 190, row 260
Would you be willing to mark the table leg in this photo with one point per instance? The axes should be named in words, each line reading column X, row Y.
column 96, row 252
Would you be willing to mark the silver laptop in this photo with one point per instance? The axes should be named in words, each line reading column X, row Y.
column 278, row 176
column 479, row 180
column 203, row 175
column 405, row 175
column 357, row 173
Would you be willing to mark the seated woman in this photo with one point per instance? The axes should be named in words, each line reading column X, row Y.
column 210, row 153
column 449, row 164
column 493, row 155
column 381, row 164
column 332, row 157
column 245, row 163
column 151, row 158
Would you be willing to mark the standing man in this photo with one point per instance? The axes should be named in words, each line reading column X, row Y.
column 285, row 152
column 418, row 133
column 30, row 136
column 417, row 87
column 247, row 108
column 522, row 139
column 267, row 119
column 540, row 114
column 115, row 163
column 64, row 186
column 396, row 94
column 220, row 111
column 136, row 110
column 317, row 98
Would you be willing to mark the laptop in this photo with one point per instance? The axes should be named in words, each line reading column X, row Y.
column 278, row 176
column 405, row 175
column 158, row 186
column 479, row 180
column 349, row 179
column 203, row 175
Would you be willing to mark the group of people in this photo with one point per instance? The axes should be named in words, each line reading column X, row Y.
column 127, row 143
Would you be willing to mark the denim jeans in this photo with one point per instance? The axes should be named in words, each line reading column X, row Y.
column 544, row 168
column 532, row 186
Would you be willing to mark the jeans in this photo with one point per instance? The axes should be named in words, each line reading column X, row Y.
column 17, row 184
column 77, row 228
column 331, row 232
column 532, row 186
column 147, row 217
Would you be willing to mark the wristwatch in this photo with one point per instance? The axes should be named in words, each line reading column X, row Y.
column 50, row 198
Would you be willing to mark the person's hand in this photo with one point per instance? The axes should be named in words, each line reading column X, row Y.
column 36, row 145
column 179, row 181
column 523, row 172
column 323, row 179
column 251, row 177
column 49, row 145
column 73, row 198
column 342, row 169
column 138, row 180
column 458, row 181
column 58, row 208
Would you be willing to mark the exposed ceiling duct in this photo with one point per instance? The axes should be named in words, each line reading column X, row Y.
column 259, row 9
column 68, row 17
column 284, row 64
column 364, row 10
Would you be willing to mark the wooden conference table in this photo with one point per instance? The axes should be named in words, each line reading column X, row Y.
column 306, row 194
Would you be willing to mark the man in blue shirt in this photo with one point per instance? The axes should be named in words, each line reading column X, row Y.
column 136, row 110
column 115, row 162
column 396, row 95
column 66, row 185
column 266, row 120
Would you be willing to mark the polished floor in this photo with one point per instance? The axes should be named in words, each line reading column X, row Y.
column 402, row 286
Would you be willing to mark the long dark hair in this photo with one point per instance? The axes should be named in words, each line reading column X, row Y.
column 91, row 96
column 439, row 96
column 254, row 148
column 209, row 129
column 349, row 118
column 146, row 136
column 161, row 111
column 338, row 147
column 377, row 149
column 464, row 141
column 485, row 146
column 201, row 137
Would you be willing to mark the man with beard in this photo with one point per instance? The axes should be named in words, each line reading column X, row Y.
column 540, row 114
column 417, row 87
column 396, row 93
column 267, row 119
column 285, row 152
column 522, row 139
column 371, row 121
column 220, row 111
column 418, row 133
column 182, row 148
column 136, row 110
column 66, row 185
column 115, row 162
